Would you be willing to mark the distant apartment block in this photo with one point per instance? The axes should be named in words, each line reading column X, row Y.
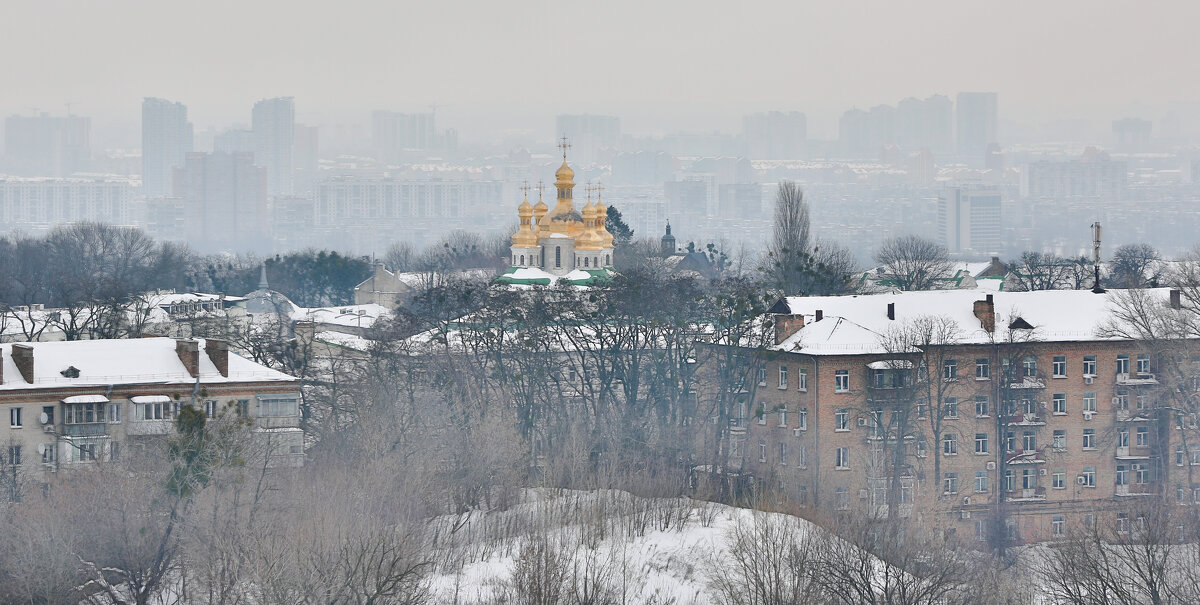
column 594, row 138
column 273, row 122
column 166, row 139
column 1094, row 175
column 976, row 116
column 45, row 145
column 1131, row 134
column 38, row 204
column 969, row 220
column 398, row 136
column 225, row 199
column 775, row 135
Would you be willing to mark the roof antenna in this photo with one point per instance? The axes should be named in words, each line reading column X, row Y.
column 1096, row 288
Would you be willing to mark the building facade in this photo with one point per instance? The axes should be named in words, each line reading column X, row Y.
column 72, row 404
column 166, row 140
column 969, row 220
column 1021, row 419
column 39, row 204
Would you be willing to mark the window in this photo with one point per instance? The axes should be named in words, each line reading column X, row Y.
column 981, row 406
column 842, row 458
column 1060, row 439
column 950, row 444
column 1122, row 474
column 1121, row 400
column 1179, row 455
column 1060, row 403
column 1089, row 365
column 1029, row 440
column 950, row 369
column 1060, row 366
column 842, row 495
column 1029, row 367
column 48, row 450
column 950, row 483
column 210, row 408
column 1123, row 437
column 1143, row 436
column 152, row 411
column 1089, row 439
column 802, row 380
column 82, row 413
column 762, row 377
column 1058, row 479
column 981, row 530
column 802, row 419
column 802, row 495
column 841, row 420
column 1123, row 363
column 243, row 408
column 922, row 450
column 557, row 256
column 921, row 410
column 1029, row 406
column 1089, row 476
column 14, row 418
column 876, row 423
column 762, row 451
column 1143, row 363
column 1141, row 473
column 1142, row 403
column 783, row 377
column 762, row 413
column 1029, row 478
column 782, row 416
column 114, row 413
column 114, row 451
column 14, row 455
column 802, row 456
column 981, row 443
column 982, row 369
column 1010, row 480
column 782, row 453
column 950, row 407
column 1058, row 525
column 841, row 381
column 1089, row 402
column 48, row 410
column 981, row 481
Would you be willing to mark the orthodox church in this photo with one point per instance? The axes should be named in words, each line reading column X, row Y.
column 561, row 243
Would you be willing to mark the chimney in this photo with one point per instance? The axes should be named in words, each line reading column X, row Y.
column 22, row 355
column 892, row 311
column 189, row 353
column 1176, row 303
column 820, row 315
column 985, row 311
column 306, row 332
column 218, row 352
column 786, row 325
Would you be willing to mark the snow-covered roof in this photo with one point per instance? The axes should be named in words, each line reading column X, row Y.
column 532, row 276
column 133, row 361
column 174, row 298
column 354, row 316
column 854, row 325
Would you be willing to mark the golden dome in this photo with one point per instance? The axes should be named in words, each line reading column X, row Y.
column 602, row 226
column 525, row 237
column 564, row 174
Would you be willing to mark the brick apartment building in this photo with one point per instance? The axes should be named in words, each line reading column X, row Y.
column 982, row 413
column 71, row 404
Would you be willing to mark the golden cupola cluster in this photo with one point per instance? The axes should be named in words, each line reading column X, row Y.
column 586, row 228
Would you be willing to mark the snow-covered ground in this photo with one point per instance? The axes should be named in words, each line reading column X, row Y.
column 653, row 550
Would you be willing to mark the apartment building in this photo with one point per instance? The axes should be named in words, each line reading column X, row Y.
column 74, row 403
column 976, row 412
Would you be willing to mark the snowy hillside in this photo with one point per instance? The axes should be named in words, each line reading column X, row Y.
column 648, row 550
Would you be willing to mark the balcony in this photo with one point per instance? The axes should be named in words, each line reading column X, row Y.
column 91, row 429
column 1125, row 452
column 1132, row 416
column 1138, row 489
column 149, row 427
column 1024, row 457
column 1139, row 379
column 1025, row 420
column 1029, row 494
column 1029, row 382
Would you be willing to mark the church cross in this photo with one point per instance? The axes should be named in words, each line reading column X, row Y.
column 564, row 146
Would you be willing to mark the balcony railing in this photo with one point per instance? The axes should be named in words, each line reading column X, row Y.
column 149, row 427
column 1025, row 420
column 1136, row 380
column 93, row 429
column 1028, row 494
column 1137, row 489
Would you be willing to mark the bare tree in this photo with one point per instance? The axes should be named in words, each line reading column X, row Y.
column 771, row 560
column 1042, row 271
column 1136, row 266
column 913, row 263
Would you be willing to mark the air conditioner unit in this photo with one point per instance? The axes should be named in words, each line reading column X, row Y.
column 862, row 422
column 796, row 432
column 1087, row 415
column 1044, row 406
column 991, row 465
column 1081, row 480
column 862, row 494
column 1088, row 379
column 1042, row 471
column 966, row 501
column 966, row 514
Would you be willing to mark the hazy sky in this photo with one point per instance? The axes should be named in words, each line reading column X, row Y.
column 659, row 65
